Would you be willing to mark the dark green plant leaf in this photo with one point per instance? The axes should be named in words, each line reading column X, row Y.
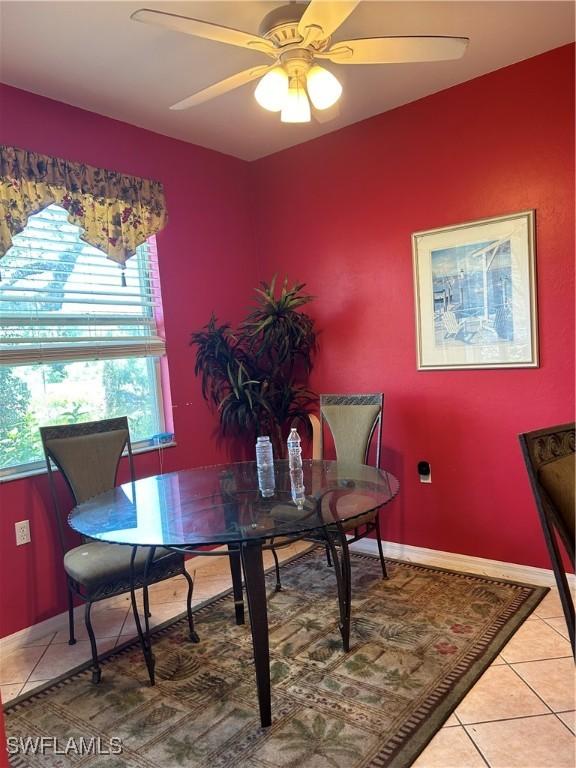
column 256, row 377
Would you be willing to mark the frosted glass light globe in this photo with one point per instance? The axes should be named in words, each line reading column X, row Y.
column 272, row 90
column 296, row 109
column 323, row 88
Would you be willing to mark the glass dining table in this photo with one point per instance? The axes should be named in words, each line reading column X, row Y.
column 222, row 505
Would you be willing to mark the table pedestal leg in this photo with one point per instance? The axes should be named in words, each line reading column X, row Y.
column 236, row 573
column 256, row 593
column 343, row 580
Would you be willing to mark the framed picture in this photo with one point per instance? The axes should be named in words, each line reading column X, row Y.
column 475, row 291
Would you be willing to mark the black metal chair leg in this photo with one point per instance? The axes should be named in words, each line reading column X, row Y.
column 328, row 558
column 146, row 606
column 96, row 671
column 567, row 607
column 193, row 634
column 561, row 581
column 343, row 588
column 144, row 638
column 149, row 661
column 380, row 552
column 71, row 637
column 146, row 600
column 277, row 567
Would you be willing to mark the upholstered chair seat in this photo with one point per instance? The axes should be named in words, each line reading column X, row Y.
column 98, row 565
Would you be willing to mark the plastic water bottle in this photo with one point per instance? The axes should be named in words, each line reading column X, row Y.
column 265, row 466
column 294, row 449
column 295, row 466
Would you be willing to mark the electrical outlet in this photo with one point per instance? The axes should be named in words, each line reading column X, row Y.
column 22, row 532
column 424, row 472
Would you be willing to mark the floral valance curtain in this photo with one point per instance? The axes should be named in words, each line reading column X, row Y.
column 117, row 213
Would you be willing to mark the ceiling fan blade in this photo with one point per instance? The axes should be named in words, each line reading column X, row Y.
column 322, row 17
column 218, row 89
column 204, row 29
column 395, row 50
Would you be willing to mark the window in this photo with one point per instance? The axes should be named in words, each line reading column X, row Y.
column 78, row 338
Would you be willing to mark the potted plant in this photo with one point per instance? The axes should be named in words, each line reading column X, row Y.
column 256, row 377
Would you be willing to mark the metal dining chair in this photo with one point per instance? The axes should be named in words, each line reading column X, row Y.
column 549, row 457
column 355, row 423
column 88, row 455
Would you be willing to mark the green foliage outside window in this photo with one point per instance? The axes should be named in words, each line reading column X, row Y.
column 126, row 388
column 18, row 427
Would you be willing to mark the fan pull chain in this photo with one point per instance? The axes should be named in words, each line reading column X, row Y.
column 123, row 278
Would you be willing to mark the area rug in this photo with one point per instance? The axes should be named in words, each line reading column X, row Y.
column 419, row 642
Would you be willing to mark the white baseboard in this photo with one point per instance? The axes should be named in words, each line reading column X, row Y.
column 491, row 568
column 496, row 569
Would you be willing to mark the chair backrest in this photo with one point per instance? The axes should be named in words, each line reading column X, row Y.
column 87, row 455
column 352, row 420
column 550, row 460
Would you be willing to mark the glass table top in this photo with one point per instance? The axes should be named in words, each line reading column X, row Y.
column 222, row 504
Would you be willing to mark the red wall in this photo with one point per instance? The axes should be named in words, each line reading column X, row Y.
column 338, row 213
column 206, row 262
column 341, row 220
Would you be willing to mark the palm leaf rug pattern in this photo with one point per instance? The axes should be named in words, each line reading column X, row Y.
column 419, row 641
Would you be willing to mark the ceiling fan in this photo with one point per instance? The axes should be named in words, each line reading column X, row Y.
column 296, row 36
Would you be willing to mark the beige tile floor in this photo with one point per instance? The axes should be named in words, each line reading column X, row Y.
column 520, row 714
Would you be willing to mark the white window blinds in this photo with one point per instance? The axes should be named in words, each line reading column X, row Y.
column 63, row 300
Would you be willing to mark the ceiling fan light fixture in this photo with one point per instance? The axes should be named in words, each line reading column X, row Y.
column 296, row 108
column 272, row 90
column 295, row 35
column 323, row 87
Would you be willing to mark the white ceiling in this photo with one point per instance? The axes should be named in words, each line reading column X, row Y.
column 91, row 55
